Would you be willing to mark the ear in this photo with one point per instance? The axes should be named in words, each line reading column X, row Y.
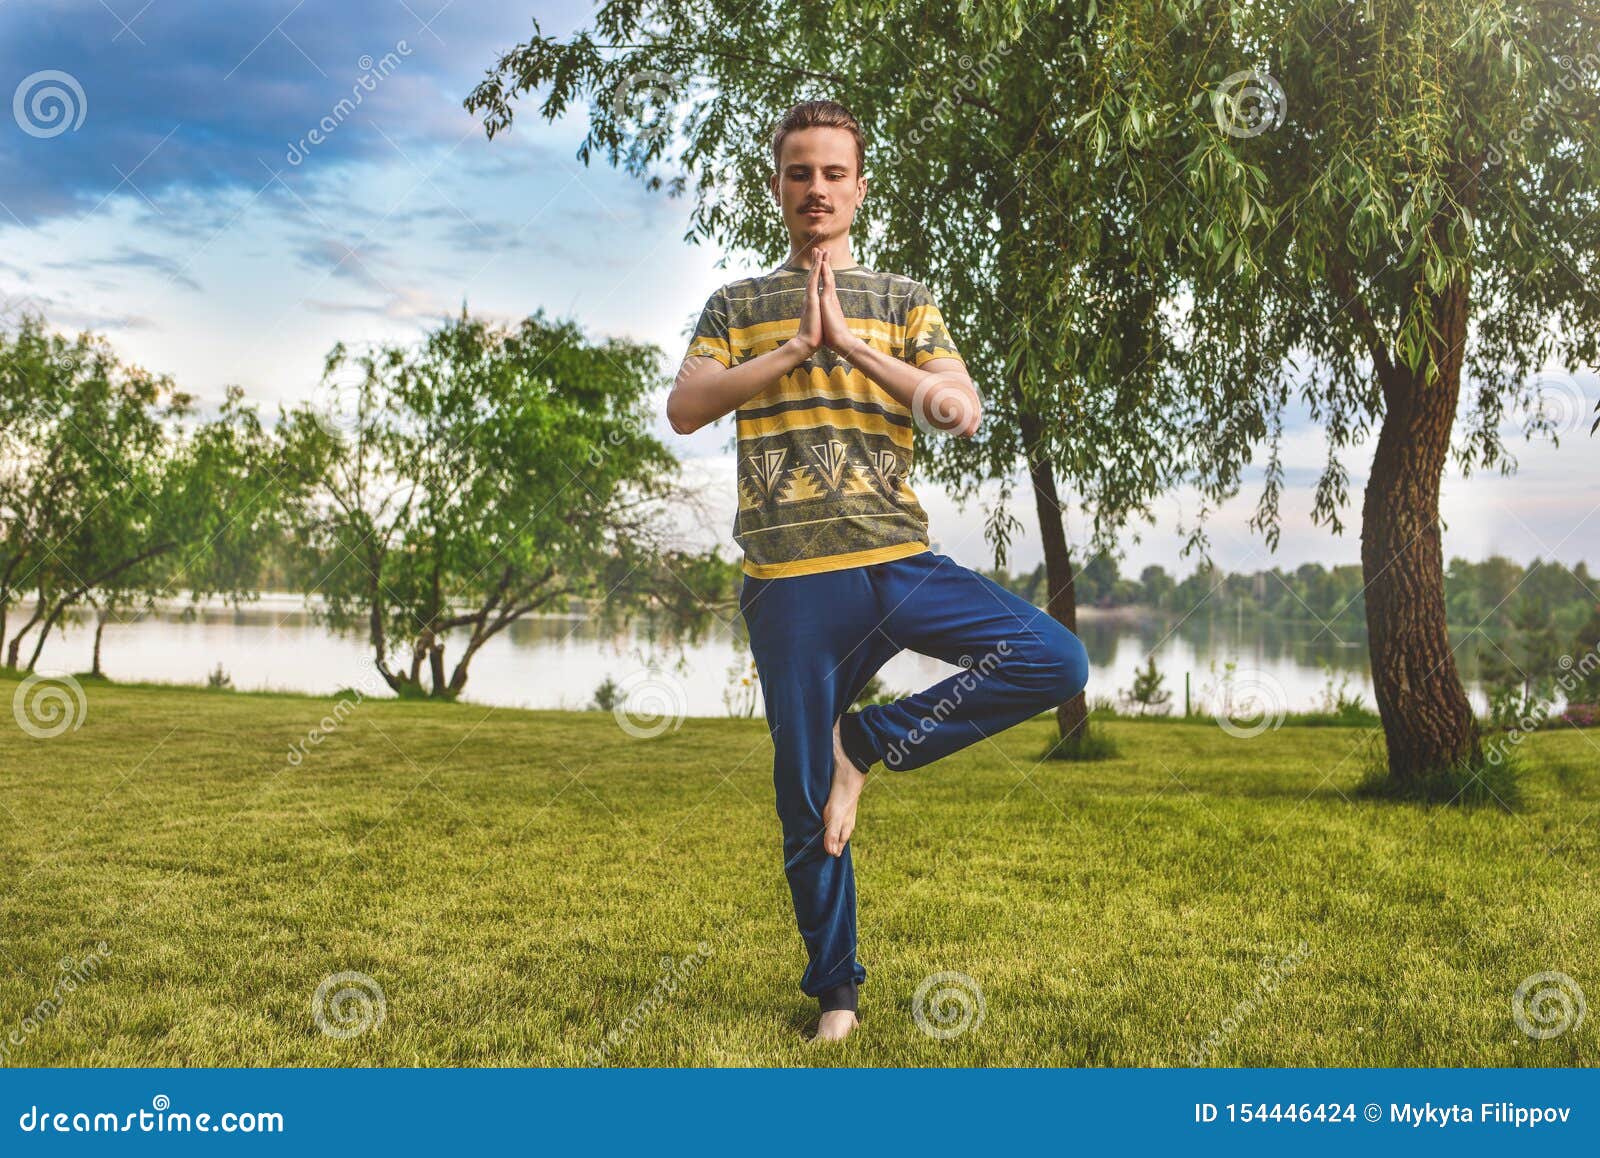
column 772, row 184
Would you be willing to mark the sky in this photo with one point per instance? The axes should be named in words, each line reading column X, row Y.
column 161, row 184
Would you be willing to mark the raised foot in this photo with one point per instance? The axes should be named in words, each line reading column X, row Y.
column 839, row 813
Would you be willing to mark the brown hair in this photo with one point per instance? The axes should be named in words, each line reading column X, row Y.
column 819, row 114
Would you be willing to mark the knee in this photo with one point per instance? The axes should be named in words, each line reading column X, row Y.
column 1062, row 669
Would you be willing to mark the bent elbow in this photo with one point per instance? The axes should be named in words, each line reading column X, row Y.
column 974, row 418
column 680, row 422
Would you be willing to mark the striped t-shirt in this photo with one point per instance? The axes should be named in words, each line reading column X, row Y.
column 824, row 452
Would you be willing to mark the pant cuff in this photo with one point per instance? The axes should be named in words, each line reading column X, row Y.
column 857, row 744
column 842, row 996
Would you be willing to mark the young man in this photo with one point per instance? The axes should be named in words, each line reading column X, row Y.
column 831, row 368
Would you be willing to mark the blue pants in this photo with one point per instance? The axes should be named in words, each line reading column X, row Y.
column 817, row 640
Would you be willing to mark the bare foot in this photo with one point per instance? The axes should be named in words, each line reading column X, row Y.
column 839, row 814
column 836, row 1024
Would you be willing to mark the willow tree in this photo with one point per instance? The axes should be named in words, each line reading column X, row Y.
column 977, row 186
column 1395, row 202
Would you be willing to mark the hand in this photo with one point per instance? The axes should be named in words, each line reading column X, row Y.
column 808, row 337
column 836, row 333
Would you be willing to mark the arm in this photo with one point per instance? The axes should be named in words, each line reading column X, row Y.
column 939, row 393
column 705, row 389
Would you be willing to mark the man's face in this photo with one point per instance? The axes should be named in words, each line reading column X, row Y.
column 817, row 185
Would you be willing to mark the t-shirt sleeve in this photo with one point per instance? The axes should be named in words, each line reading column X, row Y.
column 711, row 331
column 926, row 335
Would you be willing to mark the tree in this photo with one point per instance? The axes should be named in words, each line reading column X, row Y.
column 1158, row 587
column 472, row 480
column 1394, row 199
column 1147, row 693
column 108, row 497
column 977, row 187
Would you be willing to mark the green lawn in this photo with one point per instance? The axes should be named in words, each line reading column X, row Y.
column 512, row 881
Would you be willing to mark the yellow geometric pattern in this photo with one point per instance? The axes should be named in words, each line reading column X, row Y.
column 824, row 451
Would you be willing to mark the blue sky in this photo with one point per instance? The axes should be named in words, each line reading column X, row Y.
column 182, row 210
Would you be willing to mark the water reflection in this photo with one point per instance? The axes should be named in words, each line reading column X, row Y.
column 559, row 661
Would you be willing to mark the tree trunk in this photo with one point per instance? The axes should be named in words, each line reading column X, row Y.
column 1427, row 718
column 1072, row 717
column 99, row 633
column 13, row 655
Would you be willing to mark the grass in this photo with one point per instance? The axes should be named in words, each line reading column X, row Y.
column 512, row 881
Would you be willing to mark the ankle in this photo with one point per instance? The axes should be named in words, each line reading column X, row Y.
column 846, row 995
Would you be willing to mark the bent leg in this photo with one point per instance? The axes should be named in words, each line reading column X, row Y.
column 1018, row 660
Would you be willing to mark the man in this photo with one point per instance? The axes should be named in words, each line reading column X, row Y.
column 831, row 368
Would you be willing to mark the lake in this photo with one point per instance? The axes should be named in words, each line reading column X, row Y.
column 559, row 661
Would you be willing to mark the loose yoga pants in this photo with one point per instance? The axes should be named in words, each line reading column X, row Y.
column 817, row 639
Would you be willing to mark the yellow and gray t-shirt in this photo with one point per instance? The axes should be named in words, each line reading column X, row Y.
column 824, row 452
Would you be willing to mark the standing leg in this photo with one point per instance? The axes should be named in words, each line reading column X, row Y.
column 1019, row 661
column 816, row 643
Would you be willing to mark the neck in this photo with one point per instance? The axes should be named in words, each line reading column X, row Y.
column 838, row 252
